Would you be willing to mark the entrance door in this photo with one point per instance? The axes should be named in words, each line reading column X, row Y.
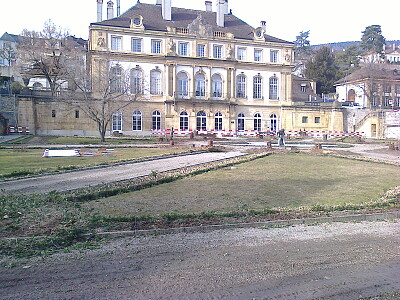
column 373, row 130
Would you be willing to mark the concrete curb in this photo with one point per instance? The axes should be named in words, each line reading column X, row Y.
column 267, row 224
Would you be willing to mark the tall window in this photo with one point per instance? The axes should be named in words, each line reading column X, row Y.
column 273, row 88
column 183, row 48
column 241, row 53
column 240, row 122
column 156, row 46
column 216, row 84
column 116, row 124
column 201, row 50
column 257, row 87
column 217, row 51
column 137, row 120
column 200, row 85
column 274, row 56
column 218, row 121
column 116, row 80
column 116, row 43
column 184, row 121
column 241, row 86
column 273, row 122
column 156, row 120
column 183, row 84
column 201, row 121
column 155, row 82
column 257, row 122
column 136, row 45
column 257, row 55
column 136, row 81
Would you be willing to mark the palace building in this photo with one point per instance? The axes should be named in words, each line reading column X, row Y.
column 200, row 70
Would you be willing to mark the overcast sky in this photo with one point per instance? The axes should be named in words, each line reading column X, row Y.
column 328, row 21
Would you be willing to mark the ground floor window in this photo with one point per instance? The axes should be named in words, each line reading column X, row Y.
column 201, row 121
column 156, row 120
column 257, row 122
column 273, row 123
column 240, row 122
column 218, row 121
column 184, row 121
column 137, row 121
column 116, row 124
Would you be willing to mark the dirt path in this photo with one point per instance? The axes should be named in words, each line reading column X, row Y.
column 329, row 261
column 82, row 178
column 376, row 151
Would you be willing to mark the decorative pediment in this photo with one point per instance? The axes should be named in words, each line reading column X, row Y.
column 200, row 27
column 259, row 34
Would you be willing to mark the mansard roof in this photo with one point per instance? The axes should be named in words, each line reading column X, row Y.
column 181, row 18
column 373, row 71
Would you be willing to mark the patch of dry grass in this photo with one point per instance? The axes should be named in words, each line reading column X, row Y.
column 283, row 180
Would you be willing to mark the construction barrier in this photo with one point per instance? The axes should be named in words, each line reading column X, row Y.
column 304, row 133
column 18, row 129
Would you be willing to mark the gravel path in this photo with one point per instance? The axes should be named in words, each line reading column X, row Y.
column 82, row 178
column 376, row 151
column 329, row 261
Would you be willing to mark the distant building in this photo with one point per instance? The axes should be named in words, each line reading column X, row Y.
column 8, row 44
column 371, row 94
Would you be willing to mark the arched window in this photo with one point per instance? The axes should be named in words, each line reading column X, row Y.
column 201, row 121
column 155, row 82
column 218, row 121
column 240, row 122
column 200, row 85
column 184, row 121
column 137, row 120
column 116, row 80
column 257, row 87
column 351, row 95
column 241, row 86
column 37, row 86
column 216, row 85
column 136, row 81
column 156, row 120
column 257, row 122
column 183, row 84
column 273, row 123
column 273, row 88
column 116, row 124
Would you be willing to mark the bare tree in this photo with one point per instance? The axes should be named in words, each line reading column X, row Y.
column 101, row 93
column 45, row 54
column 8, row 53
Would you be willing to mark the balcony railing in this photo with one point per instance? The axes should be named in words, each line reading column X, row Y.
column 200, row 95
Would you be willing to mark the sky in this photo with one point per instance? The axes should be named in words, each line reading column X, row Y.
column 327, row 21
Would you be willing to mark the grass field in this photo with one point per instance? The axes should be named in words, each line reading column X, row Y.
column 275, row 181
column 13, row 161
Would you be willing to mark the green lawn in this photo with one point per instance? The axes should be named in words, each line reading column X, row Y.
column 13, row 160
column 291, row 181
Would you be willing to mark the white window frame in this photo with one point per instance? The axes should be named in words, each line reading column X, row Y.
column 156, row 120
column 257, row 87
column 155, row 82
column 136, row 44
column 217, row 51
column 137, row 120
column 273, row 55
column 241, row 85
column 257, row 122
column 156, row 46
column 241, row 53
column 241, row 122
column 183, row 48
column 183, row 121
column 201, row 50
column 273, row 88
column 218, row 122
column 116, row 43
column 116, row 122
column 258, row 55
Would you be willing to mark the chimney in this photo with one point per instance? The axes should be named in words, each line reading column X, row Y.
column 166, row 10
column 110, row 10
column 221, row 13
column 118, row 8
column 99, row 10
column 226, row 7
column 264, row 25
column 208, row 5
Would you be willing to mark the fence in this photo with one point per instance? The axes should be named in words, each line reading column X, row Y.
column 300, row 133
column 18, row 129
